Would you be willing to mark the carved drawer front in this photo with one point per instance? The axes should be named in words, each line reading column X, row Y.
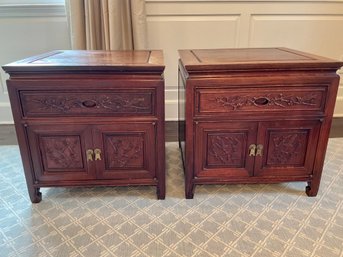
column 222, row 149
column 73, row 103
column 210, row 101
column 59, row 152
column 128, row 150
column 289, row 148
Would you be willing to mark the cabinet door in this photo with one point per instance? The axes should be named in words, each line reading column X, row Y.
column 222, row 149
column 128, row 150
column 59, row 152
column 289, row 148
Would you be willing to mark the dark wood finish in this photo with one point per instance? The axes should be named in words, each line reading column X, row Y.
column 113, row 103
column 88, row 118
column 255, row 115
column 268, row 99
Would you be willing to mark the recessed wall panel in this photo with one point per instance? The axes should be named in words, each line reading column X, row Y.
column 171, row 32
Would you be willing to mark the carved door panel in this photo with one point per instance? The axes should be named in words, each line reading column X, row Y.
column 125, row 150
column 289, row 148
column 59, row 152
column 222, row 149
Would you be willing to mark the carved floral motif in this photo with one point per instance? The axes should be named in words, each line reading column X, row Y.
column 114, row 103
column 125, row 151
column 280, row 100
column 62, row 152
column 224, row 149
column 287, row 148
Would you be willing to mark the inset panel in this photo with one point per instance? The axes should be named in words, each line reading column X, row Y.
column 312, row 33
column 287, row 148
column 87, row 103
column 124, row 151
column 274, row 98
column 61, row 152
column 225, row 149
column 173, row 32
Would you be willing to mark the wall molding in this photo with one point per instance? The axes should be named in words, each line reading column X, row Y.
column 32, row 10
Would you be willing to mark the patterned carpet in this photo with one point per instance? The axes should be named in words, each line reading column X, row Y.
column 222, row 220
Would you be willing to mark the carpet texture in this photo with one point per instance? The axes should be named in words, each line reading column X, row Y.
column 221, row 220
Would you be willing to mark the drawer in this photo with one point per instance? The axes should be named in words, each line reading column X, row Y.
column 88, row 103
column 269, row 99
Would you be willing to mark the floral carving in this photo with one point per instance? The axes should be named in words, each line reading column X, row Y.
column 280, row 100
column 224, row 149
column 62, row 152
column 125, row 151
column 115, row 103
column 287, row 148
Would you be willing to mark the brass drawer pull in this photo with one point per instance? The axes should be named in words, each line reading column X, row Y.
column 97, row 154
column 89, row 153
column 259, row 150
column 252, row 150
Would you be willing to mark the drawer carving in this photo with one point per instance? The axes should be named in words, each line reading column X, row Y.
column 277, row 100
column 210, row 101
column 66, row 104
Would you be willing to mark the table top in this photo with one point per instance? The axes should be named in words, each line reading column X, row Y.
column 236, row 59
column 83, row 60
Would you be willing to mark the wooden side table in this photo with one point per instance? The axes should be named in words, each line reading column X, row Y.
column 90, row 118
column 255, row 115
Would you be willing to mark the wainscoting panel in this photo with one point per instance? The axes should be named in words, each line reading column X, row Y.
column 311, row 32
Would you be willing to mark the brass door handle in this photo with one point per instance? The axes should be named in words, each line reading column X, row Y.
column 97, row 153
column 89, row 153
column 259, row 151
column 252, row 150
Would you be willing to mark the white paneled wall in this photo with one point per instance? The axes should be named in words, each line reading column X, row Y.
column 314, row 26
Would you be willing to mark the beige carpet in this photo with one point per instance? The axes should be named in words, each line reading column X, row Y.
column 226, row 220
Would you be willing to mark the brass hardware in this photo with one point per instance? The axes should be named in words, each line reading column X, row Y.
column 90, row 155
column 259, row 151
column 97, row 154
column 252, row 150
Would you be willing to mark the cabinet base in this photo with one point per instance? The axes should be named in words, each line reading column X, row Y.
column 36, row 195
column 311, row 189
